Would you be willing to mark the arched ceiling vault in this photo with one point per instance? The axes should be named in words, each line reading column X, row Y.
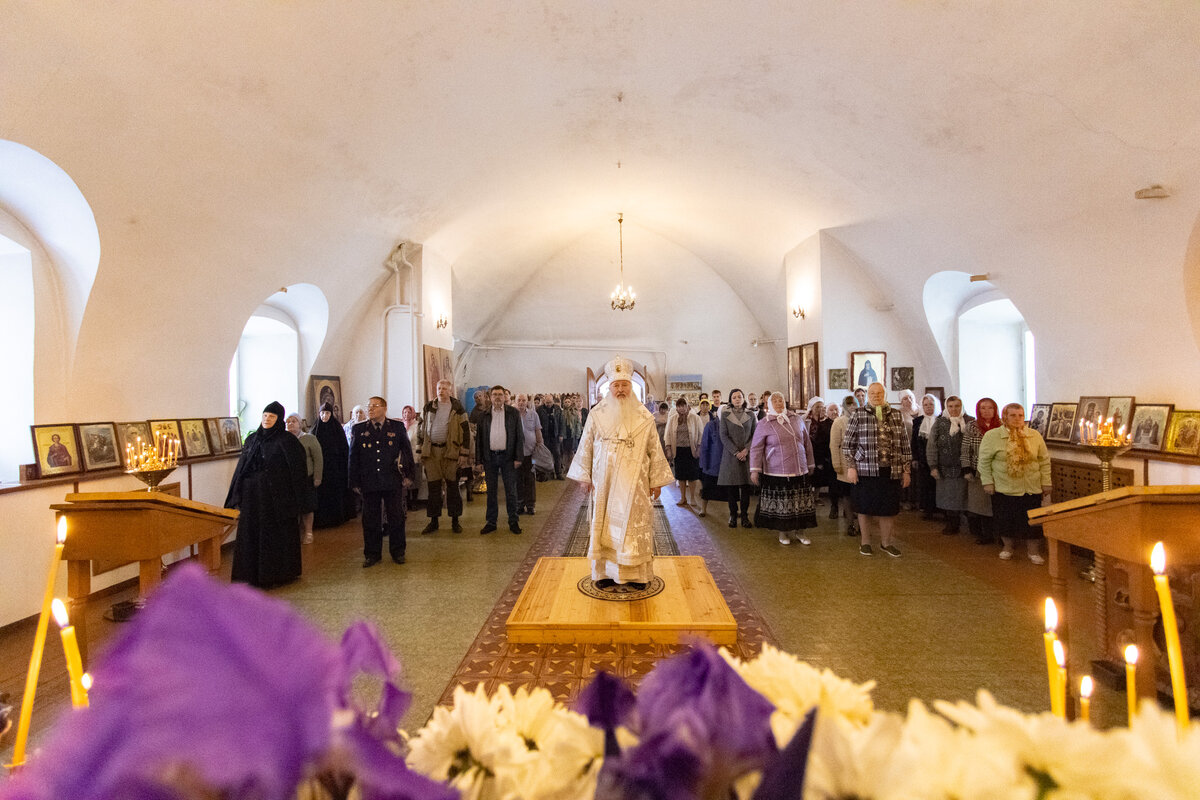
column 221, row 141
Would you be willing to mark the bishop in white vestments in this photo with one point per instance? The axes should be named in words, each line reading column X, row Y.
column 620, row 458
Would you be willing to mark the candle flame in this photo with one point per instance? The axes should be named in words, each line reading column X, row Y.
column 1085, row 686
column 1131, row 654
column 1051, row 615
column 86, row 680
column 1060, row 655
column 62, row 529
column 1158, row 559
column 59, row 609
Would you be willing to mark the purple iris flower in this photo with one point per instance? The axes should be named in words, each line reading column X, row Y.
column 702, row 727
column 606, row 702
column 783, row 779
column 211, row 688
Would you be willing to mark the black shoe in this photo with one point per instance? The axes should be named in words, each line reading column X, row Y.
column 637, row 586
column 529, row 511
column 431, row 527
column 454, row 526
column 985, row 540
column 733, row 522
column 491, row 526
column 605, row 583
column 833, row 513
column 370, row 562
column 746, row 523
column 398, row 559
column 515, row 528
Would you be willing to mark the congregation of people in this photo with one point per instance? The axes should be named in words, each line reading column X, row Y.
column 865, row 457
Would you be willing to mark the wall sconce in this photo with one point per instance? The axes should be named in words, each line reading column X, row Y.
column 797, row 312
column 442, row 322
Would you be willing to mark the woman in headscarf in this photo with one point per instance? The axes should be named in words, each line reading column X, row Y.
column 922, row 428
column 877, row 460
column 1014, row 468
column 357, row 414
column 945, row 463
column 737, row 432
column 979, row 503
column 268, row 489
column 818, row 429
column 839, row 489
column 333, row 495
column 781, row 463
column 314, row 468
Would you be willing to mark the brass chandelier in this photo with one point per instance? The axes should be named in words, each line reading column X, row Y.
column 623, row 297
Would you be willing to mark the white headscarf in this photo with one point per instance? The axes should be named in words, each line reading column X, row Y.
column 928, row 420
column 957, row 424
column 783, row 415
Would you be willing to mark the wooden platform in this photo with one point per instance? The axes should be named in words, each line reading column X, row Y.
column 551, row 609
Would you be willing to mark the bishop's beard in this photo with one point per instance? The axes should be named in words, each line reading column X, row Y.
column 623, row 411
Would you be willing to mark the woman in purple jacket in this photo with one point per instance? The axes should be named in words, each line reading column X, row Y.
column 781, row 460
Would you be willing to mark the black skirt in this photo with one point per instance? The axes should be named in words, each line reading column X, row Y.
column 785, row 504
column 686, row 468
column 876, row 496
column 710, row 489
column 1010, row 517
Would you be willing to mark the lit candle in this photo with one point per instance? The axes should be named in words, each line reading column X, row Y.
column 71, row 651
column 1131, row 657
column 1050, row 638
column 1058, row 705
column 39, row 646
column 1158, row 563
column 1085, row 698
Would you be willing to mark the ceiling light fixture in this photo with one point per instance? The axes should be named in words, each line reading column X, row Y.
column 623, row 298
column 442, row 322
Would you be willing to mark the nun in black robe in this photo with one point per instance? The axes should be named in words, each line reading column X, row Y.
column 268, row 489
column 333, row 495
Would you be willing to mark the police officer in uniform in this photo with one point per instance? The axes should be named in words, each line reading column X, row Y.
column 381, row 459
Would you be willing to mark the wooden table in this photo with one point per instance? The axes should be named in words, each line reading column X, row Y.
column 111, row 529
column 1123, row 524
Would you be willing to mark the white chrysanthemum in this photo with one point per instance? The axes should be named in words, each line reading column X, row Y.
column 795, row 687
column 565, row 752
column 851, row 760
column 936, row 759
column 1171, row 762
column 466, row 745
column 1080, row 760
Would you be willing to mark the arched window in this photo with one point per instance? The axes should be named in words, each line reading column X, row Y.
column 983, row 338
column 16, row 357
column 995, row 354
column 265, row 368
column 276, row 353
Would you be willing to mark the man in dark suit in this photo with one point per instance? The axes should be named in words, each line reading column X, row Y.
column 381, row 461
column 500, row 447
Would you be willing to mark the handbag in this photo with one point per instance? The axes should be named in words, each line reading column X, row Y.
column 543, row 461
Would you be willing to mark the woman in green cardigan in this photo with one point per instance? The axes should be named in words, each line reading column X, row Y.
column 1014, row 468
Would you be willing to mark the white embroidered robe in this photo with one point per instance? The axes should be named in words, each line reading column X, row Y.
column 623, row 462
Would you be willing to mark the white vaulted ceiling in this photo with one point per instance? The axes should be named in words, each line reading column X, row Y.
column 216, row 142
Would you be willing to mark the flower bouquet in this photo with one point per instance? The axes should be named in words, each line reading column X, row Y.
column 221, row 692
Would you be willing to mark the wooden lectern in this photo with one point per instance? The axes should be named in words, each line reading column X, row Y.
column 118, row 528
column 1123, row 525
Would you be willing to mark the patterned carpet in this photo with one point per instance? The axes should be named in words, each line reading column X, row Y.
column 577, row 545
column 565, row 668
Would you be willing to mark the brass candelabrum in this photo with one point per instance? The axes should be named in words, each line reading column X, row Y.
column 150, row 463
column 1104, row 445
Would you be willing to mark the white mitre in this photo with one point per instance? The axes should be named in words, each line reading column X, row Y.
column 619, row 369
